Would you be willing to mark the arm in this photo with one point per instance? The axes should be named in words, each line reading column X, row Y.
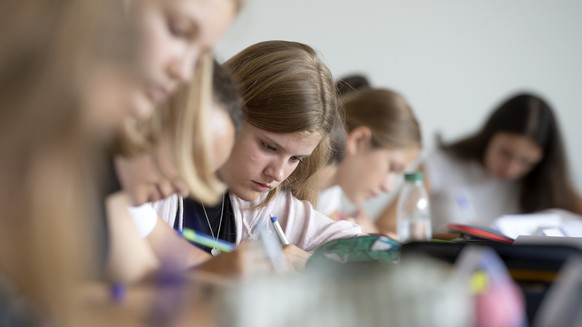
column 306, row 227
column 386, row 221
column 129, row 258
column 249, row 258
column 366, row 223
column 168, row 245
column 141, row 240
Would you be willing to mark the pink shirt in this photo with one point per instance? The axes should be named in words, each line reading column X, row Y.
column 304, row 226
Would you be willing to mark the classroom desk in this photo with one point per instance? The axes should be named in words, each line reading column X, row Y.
column 189, row 303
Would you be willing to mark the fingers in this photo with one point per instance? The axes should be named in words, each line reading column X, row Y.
column 166, row 188
column 296, row 257
column 250, row 258
column 254, row 259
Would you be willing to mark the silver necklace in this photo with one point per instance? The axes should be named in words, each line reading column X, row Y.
column 215, row 251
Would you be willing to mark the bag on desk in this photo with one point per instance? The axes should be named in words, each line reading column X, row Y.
column 533, row 266
column 561, row 306
column 358, row 250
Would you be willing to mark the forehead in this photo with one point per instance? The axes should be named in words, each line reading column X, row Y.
column 300, row 143
column 518, row 144
column 401, row 156
column 211, row 17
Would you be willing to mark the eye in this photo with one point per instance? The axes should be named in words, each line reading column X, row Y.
column 180, row 28
column 394, row 168
column 269, row 147
column 295, row 159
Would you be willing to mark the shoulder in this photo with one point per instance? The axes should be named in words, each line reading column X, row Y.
column 167, row 208
column 333, row 191
column 444, row 170
column 144, row 210
column 330, row 200
column 144, row 218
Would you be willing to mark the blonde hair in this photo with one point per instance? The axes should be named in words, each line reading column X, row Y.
column 286, row 88
column 185, row 118
column 387, row 114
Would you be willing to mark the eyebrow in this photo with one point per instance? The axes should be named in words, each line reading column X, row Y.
column 279, row 146
column 189, row 16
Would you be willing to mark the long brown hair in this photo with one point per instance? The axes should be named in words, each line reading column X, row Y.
column 548, row 184
column 287, row 88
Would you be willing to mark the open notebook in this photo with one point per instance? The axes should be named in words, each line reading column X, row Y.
column 554, row 222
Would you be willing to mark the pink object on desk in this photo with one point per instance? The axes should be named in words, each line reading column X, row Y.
column 500, row 306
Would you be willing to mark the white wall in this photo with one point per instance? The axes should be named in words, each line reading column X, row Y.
column 453, row 59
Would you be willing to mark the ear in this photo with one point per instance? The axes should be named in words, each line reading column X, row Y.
column 358, row 139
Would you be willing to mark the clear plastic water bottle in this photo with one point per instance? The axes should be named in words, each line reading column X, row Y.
column 413, row 210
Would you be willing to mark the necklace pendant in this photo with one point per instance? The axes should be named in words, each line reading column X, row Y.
column 215, row 252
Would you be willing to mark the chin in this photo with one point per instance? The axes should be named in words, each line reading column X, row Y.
column 246, row 195
column 141, row 107
column 356, row 200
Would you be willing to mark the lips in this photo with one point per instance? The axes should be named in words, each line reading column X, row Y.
column 260, row 187
column 373, row 194
column 159, row 94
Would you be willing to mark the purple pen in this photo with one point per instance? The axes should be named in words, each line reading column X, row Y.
column 118, row 292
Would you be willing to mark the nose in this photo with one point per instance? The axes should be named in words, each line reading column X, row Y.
column 182, row 67
column 276, row 170
column 387, row 184
column 513, row 169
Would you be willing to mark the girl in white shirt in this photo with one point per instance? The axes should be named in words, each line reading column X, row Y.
column 383, row 137
column 516, row 163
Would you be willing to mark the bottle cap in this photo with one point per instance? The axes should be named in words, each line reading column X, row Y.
column 414, row 176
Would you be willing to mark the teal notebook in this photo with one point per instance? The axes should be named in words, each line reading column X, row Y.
column 366, row 249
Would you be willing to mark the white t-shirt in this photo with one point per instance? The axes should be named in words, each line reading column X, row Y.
column 463, row 192
column 330, row 201
column 145, row 218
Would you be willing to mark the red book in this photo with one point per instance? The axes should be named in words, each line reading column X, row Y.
column 480, row 232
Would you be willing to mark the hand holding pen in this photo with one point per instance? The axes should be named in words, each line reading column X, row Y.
column 295, row 256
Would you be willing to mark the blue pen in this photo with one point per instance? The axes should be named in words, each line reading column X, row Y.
column 279, row 230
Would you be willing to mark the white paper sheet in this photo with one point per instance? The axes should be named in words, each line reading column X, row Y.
column 554, row 222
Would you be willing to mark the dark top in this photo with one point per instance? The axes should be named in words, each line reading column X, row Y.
column 195, row 219
column 109, row 185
